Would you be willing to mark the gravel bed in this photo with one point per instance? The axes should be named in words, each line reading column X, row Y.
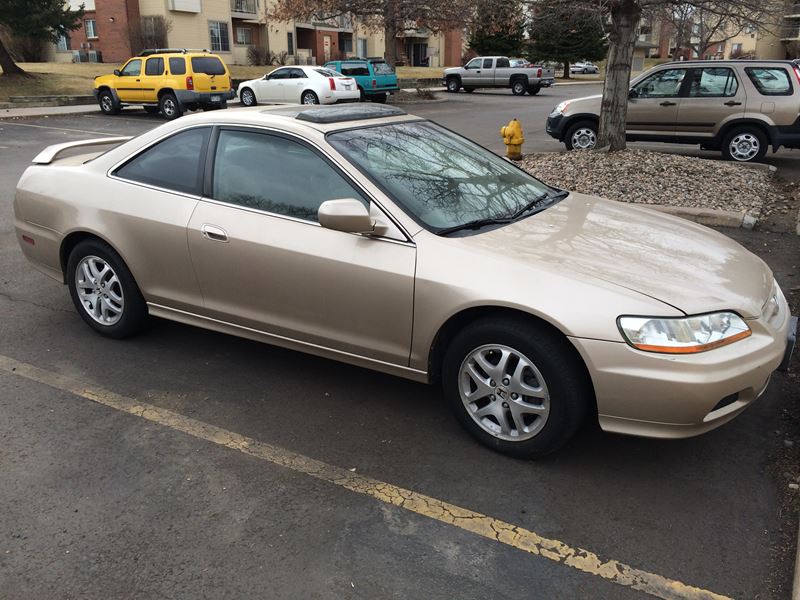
column 646, row 177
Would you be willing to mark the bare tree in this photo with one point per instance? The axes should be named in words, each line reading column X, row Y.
column 152, row 31
column 390, row 16
column 699, row 29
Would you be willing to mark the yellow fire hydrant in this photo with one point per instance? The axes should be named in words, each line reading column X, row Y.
column 513, row 139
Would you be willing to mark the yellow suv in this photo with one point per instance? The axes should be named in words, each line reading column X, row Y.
column 168, row 81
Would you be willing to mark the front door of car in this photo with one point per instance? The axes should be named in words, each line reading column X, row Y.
column 295, row 85
column 152, row 79
column 264, row 262
column 714, row 96
column 271, row 88
column 129, row 82
column 472, row 72
column 654, row 103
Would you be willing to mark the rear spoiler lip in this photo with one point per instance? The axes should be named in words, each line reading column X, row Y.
column 49, row 154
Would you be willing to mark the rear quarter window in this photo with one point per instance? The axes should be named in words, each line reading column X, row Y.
column 210, row 65
column 770, row 81
column 354, row 69
column 382, row 68
column 177, row 65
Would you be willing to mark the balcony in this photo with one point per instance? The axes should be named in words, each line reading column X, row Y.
column 790, row 33
column 792, row 11
column 244, row 9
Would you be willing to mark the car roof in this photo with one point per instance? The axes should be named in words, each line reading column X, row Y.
column 294, row 117
column 732, row 61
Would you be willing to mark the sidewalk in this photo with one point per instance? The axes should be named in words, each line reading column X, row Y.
column 45, row 111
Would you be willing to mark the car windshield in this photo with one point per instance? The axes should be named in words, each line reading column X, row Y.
column 440, row 178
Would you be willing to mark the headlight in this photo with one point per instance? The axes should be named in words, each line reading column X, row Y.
column 560, row 108
column 683, row 335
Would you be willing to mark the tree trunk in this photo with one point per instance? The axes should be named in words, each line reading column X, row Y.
column 7, row 63
column 390, row 26
column 566, row 70
column 625, row 16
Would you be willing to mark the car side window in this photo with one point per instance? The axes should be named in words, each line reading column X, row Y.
column 503, row 62
column 133, row 68
column 475, row 63
column 487, row 63
column 173, row 164
column 770, row 81
column 177, row 65
column 279, row 74
column 297, row 74
column 713, row 82
column 275, row 174
column 354, row 69
column 154, row 66
column 664, row 84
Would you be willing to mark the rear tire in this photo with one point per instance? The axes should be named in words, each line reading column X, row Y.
column 453, row 85
column 103, row 290
column 519, row 87
column 309, row 97
column 169, row 106
column 581, row 136
column 745, row 144
column 534, row 89
column 544, row 422
column 108, row 104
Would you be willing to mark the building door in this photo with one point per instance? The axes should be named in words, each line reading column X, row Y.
column 326, row 47
column 420, row 55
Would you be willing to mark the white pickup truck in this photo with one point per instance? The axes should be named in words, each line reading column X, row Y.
column 497, row 72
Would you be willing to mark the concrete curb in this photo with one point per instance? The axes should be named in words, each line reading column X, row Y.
column 708, row 216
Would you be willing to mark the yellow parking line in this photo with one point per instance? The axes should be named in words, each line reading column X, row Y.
column 468, row 520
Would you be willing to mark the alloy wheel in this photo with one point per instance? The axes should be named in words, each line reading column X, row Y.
column 744, row 146
column 248, row 98
column 99, row 290
column 106, row 103
column 168, row 107
column 504, row 392
column 309, row 98
column 584, row 139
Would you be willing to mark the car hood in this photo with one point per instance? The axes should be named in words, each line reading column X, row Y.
column 688, row 266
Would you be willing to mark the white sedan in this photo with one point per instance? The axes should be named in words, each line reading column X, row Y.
column 299, row 85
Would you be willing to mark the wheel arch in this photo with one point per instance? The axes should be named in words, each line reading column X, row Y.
column 572, row 119
column 165, row 90
column 765, row 128
column 467, row 316
column 74, row 238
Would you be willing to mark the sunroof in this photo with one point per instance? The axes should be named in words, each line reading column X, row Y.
column 348, row 112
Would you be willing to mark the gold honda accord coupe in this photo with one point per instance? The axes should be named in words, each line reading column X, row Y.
column 366, row 235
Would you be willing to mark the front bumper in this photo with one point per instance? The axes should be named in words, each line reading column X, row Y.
column 555, row 126
column 678, row 396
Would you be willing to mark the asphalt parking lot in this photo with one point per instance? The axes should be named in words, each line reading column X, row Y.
column 187, row 464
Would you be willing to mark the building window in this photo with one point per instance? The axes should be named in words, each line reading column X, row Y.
column 220, row 42
column 90, row 26
column 62, row 45
column 362, row 47
column 244, row 36
column 290, row 42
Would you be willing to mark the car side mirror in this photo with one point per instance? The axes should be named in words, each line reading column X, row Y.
column 116, row 72
column 348, row 215
column 633, row 94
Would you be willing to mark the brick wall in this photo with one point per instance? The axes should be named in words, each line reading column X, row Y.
column 318, row 50
column 113, row 19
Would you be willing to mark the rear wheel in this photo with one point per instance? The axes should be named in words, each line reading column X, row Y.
column 248, row 97
column 170, row 108
column 534, row 89
column 108, row 104
column 581, row 136
column 104, row 291
column 309, row 97
column 744, row 144
column 453, row 84
column 519, row 87
column 516, row 386
column 151, row 110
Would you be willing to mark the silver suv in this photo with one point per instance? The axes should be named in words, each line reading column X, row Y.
column 740, row 107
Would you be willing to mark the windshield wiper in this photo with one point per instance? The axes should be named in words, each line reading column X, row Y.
column 476, row 224
column 538, row 202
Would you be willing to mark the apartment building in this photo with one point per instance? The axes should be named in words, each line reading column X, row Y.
column 112, row 30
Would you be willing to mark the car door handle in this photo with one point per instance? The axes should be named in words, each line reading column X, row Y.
column 214, row 233
column 733, row 103
column 668, row 103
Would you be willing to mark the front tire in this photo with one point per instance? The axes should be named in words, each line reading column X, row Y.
column 453, row 85
column 108, row 104
column 169, row 106
column 744, row 144
column 248, row 97
column 519, row 87
column 516, row 386
column 581, row 136
column 309, row 97
column 103, row 290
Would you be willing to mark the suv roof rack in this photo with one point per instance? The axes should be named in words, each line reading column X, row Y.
column 354, row 112
column 151, row 51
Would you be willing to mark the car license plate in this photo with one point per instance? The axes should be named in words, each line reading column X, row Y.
column 216, row 98
column 347, row 86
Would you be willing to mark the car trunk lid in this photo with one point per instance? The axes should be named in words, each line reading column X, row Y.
column 209, row 74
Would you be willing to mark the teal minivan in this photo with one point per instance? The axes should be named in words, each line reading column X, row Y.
column 374, row 76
